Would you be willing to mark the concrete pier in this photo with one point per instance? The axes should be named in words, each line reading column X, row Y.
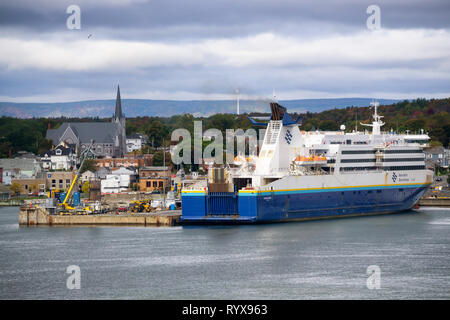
column 435, row 202
column 30, row 216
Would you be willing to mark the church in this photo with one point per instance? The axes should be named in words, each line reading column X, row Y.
column 109, row 137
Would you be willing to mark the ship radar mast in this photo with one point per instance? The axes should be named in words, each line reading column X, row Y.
column 377, row 123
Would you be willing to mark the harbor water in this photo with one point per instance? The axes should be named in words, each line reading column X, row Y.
column 325, row 259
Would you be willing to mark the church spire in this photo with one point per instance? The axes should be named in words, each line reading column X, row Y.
column 118, row 113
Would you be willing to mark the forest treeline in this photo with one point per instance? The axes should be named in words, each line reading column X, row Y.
column 433, row 116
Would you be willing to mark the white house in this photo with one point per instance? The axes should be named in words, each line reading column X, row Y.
column 118, row 181
column 60, row 158
column 136, row 142
column 112, row 184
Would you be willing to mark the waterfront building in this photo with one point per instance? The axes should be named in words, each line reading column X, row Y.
column 119, row 180
column 29, row 186
column 19, row 168
column 437, row 157
column 154, row 178
column 59, row 180
column 112, row 184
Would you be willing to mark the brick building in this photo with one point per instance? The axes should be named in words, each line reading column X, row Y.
column 154, row 178
column 59, row 180
column 29, row 186
column 135, row 161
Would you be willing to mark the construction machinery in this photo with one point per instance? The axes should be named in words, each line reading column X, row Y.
column 65, row 208
column 137, row 206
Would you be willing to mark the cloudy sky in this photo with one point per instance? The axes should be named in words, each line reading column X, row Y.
column 205, row 49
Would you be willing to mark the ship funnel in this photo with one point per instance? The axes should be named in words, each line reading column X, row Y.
column 279, row 113
column 277, row 110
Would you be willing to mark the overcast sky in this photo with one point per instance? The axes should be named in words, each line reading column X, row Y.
column 206, row 49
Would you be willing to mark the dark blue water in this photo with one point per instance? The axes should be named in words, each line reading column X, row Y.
column 302, row 260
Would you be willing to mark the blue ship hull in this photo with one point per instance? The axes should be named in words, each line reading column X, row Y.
column 295, row 205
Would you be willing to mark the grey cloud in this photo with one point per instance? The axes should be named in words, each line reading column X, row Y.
column 231, row 18
column 182, row 21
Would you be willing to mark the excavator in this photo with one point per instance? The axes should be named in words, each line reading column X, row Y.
column 65, row 208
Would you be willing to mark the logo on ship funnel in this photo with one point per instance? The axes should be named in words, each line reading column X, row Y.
column 288, row 136
column 394, row 177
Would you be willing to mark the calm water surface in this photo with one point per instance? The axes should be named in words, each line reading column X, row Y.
column 302, row 260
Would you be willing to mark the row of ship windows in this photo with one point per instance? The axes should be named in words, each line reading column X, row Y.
column 349, row 142
column 365, row 142
column 391, row 168
column 383, row 160
column 385, row 151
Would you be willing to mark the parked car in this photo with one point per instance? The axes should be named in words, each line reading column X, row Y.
column 122, row 209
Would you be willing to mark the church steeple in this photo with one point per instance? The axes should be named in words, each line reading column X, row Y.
column 120, row 145
column 118, row 113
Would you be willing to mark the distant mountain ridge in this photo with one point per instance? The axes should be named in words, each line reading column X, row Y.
column 144, row 107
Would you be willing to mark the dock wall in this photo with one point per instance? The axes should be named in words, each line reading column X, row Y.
column 435, row 202
column 39, row 216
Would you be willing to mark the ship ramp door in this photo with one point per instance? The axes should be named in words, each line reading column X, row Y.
column 221, row 203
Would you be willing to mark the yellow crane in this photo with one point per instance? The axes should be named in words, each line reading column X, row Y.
column 64, row 204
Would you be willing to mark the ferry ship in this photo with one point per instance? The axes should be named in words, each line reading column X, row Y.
column 302, row 175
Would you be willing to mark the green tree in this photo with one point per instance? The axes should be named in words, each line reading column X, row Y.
column 89, row 164
column 415, row 125
column 158, row 159
column 85, row 187
column 15, row 187
column 44, row 145
column 156, row 132
column 329, row 125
